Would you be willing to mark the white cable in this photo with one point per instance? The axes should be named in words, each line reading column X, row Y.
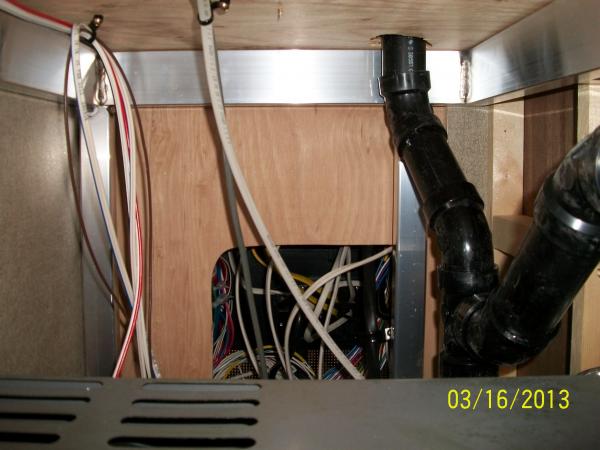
column 330, row 328
column 276, row 341
column 247, row 343
column 345, row 257
column 98, row 181
column 132, row 289
column 339, row 261
column 212, row 74
column 128, row 135
column 42, row 19
column 316, row 285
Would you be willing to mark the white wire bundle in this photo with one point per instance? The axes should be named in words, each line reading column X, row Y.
column 133, row 283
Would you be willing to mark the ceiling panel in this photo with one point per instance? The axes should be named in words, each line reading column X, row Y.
column 308, row 24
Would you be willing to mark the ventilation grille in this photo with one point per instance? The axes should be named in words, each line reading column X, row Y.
column 108, row 415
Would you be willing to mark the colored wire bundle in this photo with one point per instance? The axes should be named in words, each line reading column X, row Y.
column 355, row 355
column 223, row 327
column 232, row 362
column 383, row 271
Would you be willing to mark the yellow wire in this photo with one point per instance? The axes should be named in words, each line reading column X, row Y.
column 298, row 277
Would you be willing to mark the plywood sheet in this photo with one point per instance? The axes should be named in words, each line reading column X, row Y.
column 320, row 175
column 307, row 24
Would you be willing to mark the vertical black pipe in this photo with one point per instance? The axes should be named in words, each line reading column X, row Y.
column 451, row 205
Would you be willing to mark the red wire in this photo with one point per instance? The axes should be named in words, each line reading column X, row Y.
column 136, row 306
column 40, row 14
column 121, row 104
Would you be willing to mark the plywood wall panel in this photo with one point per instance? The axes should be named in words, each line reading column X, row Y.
column 320, row 175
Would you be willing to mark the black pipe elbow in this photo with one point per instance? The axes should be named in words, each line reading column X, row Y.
column 558, row 254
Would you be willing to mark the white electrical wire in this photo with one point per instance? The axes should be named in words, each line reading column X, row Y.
column 278, row 348
column 339, row 261
column 315, row 287
column 127, row 134
column 214, row 86
column 128, row 141
column 238, row 308
column 131, row 289
column 345, row 258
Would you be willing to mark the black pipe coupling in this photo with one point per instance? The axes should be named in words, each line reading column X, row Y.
column 403, row 65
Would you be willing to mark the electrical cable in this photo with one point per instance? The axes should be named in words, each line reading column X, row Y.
column 148, row 185
column 321, row 358
column 77, row 196
column 133, row 287
column 102, row 197
column 278, row 347
column 245, row 338
column 316, row 285
column 212, row 72
column 245, row 266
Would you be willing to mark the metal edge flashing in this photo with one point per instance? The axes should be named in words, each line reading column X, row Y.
column 274, row 77
column 558, row 41
column 32, row 59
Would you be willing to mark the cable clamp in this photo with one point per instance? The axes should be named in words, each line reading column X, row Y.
column 388, row 333
column 92, row 28
column 206, row 8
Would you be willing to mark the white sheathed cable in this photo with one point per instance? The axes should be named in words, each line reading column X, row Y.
column 317, row 285
column 103, row 200
column 336, row 287
column 98, row 182
column 212, row 73
column 247, row 343
column 268, row 300
column 339, row 261
column 38, row 18
column 93, row 158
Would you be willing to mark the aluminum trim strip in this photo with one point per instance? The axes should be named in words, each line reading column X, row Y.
column 277, row 76
column 558, row 41
column 33, row 57
column 98, row 316
column 409, row 284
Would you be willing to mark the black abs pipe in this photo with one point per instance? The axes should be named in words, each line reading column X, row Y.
column 486, row 324
column 451, row 205
column 558, row 254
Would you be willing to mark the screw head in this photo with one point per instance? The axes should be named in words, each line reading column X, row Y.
column 221, row 6
column 97, row 20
